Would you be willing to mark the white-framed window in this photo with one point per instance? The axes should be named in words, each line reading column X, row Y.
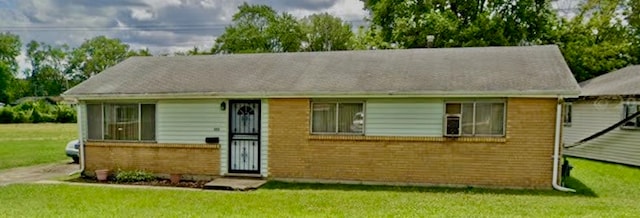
column 567, row 113
column 121, row 122
column 337, row 117
column 475, row 118
column 629, row 109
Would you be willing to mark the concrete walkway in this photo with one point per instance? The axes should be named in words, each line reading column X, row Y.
column 36, row 173
column 236, row 184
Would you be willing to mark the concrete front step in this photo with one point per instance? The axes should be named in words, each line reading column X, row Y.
column 235, row 184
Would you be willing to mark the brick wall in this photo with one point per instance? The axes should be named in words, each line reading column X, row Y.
column 196, row 159
column 521, row 159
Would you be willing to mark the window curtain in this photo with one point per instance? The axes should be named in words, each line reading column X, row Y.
column 121, row 122
column 349, row 119
column 489, row 118
column 324, row 117
column 467, row 119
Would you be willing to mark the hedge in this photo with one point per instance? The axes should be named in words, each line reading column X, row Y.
column 38, row 112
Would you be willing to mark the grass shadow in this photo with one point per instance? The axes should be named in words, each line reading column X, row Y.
column 583, row 191
column 580, row 187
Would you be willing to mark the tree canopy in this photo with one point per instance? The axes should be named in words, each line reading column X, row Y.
column 456, row 23
column 10, row 46
column 52, row 69
column 259, row 28
column 96, row 55
column 602, row 37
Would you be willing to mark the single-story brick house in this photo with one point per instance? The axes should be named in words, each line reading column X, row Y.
column 485, row 117
column 602, row 118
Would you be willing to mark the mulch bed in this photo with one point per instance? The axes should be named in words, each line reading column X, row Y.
column 157, row 182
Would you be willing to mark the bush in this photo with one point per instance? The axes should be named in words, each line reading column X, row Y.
column 22, row 116
column 134, row 176
column 6, row 115
column 38, row 112
column 65, row 114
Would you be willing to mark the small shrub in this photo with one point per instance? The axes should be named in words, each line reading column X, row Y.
column 36, row 117
column 20, row 116
column 6, row 115
column 65, row 114
column 134, row 176
column 24, row 106
column 47, row 118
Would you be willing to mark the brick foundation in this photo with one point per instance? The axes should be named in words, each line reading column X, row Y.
column 196, row 159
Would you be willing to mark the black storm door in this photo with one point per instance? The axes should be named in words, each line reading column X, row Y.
column 244, row 134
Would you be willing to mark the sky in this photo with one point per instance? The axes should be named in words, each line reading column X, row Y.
column 162, row 26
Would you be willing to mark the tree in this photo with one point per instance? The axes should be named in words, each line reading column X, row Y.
column 596, row 40
column 633, row 19
column 258, row 28
column 5, row 80
column 285, row 34
column 96, row 55
column 9, row 49
column 249, row 33
column 140, row 52
column 408, row 23
column 371, row 38
column 49, row 65
column 191, row 52
column 324, row 32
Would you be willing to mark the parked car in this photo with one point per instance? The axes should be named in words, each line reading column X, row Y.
column 72, row 150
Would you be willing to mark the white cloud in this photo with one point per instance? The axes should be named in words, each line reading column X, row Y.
column 142, row 14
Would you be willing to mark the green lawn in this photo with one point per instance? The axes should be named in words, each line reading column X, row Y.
column 605, row 190
column 30, row 144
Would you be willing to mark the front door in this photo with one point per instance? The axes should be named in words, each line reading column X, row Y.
column 244, row 134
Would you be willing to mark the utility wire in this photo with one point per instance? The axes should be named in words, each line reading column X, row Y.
column 158, row 27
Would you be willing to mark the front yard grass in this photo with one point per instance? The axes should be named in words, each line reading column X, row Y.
column 31, row 144
column 604, row 190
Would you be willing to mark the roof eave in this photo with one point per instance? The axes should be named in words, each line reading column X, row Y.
column 390, row 94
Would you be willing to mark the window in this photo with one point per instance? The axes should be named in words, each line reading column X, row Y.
column 567, row 110
column 337, row 117
column 127, row 122
column 475, row 119
column 628, row 110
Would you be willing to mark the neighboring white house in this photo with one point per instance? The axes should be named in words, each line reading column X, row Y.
column 605, row 101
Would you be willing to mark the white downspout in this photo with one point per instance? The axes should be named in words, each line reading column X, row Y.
column 79, row 119
column 556, row 152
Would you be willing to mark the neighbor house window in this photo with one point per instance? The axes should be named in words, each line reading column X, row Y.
column 568, row 110
column 337, row 117
column 630, row 109
column 475, row 118
column 127, row 122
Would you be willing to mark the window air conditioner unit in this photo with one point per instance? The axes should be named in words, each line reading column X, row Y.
column 452, row 125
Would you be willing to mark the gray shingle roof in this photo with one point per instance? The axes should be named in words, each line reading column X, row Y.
column 625, row 81
column 505, row 71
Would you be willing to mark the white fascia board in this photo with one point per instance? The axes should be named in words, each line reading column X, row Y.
column 254, row 95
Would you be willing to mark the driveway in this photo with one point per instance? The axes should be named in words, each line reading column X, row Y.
column 36, row 173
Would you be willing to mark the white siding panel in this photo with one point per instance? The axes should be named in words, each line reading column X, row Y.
column 190, row 121
column 404, row 117
column 264, row 140
column 619, row 145
column 82, row 120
